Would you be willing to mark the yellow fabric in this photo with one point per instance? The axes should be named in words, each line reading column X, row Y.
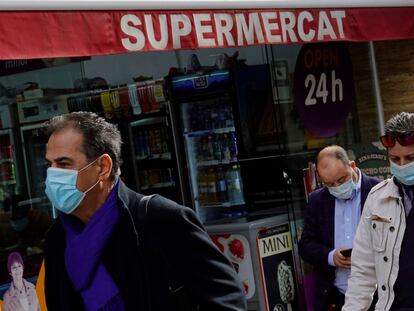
column 40, row 288
column 1, row 304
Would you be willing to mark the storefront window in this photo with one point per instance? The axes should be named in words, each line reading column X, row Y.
column 29, row 89
column 247, row 133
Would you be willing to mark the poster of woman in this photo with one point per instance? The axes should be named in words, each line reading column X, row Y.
column 21, row 296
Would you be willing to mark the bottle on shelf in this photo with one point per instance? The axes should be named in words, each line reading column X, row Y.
column 164, row 140
column 233, row 146
column 157, row 141
column 217, row 147
column 212, row 185
column 221, row 185
column 151, row 140
column 207, row 118
column 221, row 115
column 210, row 148
column 202, row 186
column 225, row 147
column 234, row 188
column 229, row 115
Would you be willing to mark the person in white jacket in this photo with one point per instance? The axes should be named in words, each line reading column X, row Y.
column 383, row 253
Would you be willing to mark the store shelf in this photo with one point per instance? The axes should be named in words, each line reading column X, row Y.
column 215, row 162
column 160, row 156
column 222, row 204
column 149, row 121
column 6, row 160
column 159, row 185
column 210, row 131
column 7, row 182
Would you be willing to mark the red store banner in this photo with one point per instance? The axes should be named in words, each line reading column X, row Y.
column 46, row 34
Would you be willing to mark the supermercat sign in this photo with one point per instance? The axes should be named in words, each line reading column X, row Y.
column 162, row 31
column 48, row 34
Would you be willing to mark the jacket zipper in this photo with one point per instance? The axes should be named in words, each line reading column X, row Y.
column 392, row 255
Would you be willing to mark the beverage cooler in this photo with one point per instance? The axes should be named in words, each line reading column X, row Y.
column 34, row 142
column 264, row 255
column 204, row 107
column 10, row 183
column 153, row 159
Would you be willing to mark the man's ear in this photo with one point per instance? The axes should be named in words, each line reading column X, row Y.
column 105, row 163
column 352, row 164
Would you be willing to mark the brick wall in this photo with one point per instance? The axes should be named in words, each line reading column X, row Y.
column 395, row 64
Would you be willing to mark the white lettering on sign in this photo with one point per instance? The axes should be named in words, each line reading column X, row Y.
column 336, row 91
column 160, row 44
column 306, row 37
column 288, row 23
column 202, row 29
column 325, row 27
column 139, row 39
column 163, row 30
column 224, row 25
column 247, row 32
column 270, row 27
column 180, row 27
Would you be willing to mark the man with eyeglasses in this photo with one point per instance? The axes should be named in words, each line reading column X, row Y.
column 383, row 254
column 331, row 220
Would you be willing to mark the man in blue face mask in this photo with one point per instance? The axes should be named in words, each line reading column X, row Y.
column 100, row 255
column 384, row 243
column 331, row 220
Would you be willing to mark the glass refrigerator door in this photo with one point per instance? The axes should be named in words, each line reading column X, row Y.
column 211, row 150
column 9, row 179
column 154, row 166
column 34, row 144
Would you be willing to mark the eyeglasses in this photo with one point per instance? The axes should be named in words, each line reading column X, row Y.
column 388, row 141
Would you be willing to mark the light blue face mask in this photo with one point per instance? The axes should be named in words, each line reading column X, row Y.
column 403, row 173
column 343, row 191
column 61, row 188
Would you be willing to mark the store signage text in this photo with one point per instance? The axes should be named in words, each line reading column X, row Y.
column 275, row 244
column 323, row 87
column 159, row 31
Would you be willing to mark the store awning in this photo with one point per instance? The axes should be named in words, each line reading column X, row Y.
column 65, row 32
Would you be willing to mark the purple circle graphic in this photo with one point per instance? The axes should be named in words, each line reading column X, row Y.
column 323, row 87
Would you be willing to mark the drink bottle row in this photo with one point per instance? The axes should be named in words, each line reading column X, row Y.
column 153, row 177
column 7, row 172
column 151, row 141
column 220, row 147
column 219, row 185
column 215, row 114
column 121, row 103
column 6, row 149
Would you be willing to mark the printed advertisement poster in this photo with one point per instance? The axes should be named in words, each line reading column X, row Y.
column 237, row 249
column 277, row 268
column 371, row 158
column 21, row 295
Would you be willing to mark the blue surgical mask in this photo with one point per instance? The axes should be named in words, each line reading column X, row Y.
column 403, row 173
column 61, row 188
column 343, row 191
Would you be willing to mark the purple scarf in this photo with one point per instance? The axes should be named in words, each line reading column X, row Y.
column 84, row 248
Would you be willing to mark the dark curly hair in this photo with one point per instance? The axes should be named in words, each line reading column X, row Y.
column 99, row 136
column 400, row 123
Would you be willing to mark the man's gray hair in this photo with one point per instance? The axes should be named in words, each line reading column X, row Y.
column 400, row 123
column 336, row 152
column 99, row 136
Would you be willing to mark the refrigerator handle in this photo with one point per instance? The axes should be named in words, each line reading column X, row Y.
column 180, row 157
